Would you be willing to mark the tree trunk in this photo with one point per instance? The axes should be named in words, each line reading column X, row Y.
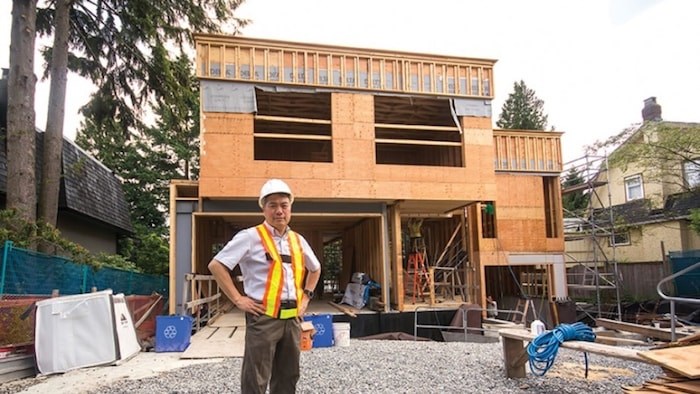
column 53, row 138
column 21, row 132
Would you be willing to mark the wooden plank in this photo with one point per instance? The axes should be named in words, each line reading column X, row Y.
column 214, row 348
column 690, row 338
column 688, row 386
column 609, row 338
column 415, row 142
column 343, row 309
column 231, row 319
column 648, row 331
column 512, row 354
column 222, row 333
column 415, row 127
column 294, row 136
column 684, row 360
column 201, row 301
column 203, row 334
column 661, row 389
column 293, row 120
column 591, row 347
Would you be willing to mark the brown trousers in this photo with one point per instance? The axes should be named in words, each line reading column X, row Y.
column 271, row 355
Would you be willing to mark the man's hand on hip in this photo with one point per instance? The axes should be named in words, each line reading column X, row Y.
column 301, row 307
column 246, row 304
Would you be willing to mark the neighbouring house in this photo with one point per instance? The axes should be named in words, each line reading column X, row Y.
column 92, row 209
column 638, row 212
column 370, row 141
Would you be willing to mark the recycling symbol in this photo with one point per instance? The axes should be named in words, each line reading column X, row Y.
column 320, row 329
column 170, row 332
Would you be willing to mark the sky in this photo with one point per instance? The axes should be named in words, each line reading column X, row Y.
column 592, row 62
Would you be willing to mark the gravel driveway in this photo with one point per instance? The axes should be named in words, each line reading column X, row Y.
column 380, row 366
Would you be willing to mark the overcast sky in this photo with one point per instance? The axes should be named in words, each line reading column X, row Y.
column 592, row 62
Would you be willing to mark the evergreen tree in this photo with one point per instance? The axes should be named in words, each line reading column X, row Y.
column 574, row 203
column 120, row 45
column 53, row 136
column 522, row 110
column 21, row 130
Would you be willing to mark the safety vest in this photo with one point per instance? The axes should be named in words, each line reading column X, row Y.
column 275, row 278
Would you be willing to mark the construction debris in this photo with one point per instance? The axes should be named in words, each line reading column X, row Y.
column 681, row 365
column 343, row 309
column 648, row 331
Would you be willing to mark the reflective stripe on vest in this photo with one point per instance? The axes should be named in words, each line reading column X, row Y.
column 275, row 277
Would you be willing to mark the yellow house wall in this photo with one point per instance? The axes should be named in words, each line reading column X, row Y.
column 618, row 195
column 655, row 189
column 645, row 243
column 689, row 238
column 229, row 170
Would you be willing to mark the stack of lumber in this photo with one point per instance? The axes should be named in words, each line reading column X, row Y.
column 680, row 361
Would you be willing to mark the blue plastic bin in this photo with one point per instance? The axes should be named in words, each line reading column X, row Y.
column 324, row 330
column 173, row 333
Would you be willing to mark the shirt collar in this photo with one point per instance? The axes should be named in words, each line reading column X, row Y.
column 274, row 230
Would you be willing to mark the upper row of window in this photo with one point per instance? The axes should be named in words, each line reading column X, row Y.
column 634, row 187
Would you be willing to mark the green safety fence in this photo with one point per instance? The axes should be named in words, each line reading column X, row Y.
column 25, row 272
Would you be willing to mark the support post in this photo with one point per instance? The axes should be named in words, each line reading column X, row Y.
column 513, row 351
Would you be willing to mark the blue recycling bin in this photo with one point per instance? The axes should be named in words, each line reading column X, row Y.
column 173, row 333
column 324, row 330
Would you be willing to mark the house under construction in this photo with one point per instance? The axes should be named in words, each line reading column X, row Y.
column 369, row 140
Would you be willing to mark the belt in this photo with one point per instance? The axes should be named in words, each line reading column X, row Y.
column 288, row 309
column 289, row 304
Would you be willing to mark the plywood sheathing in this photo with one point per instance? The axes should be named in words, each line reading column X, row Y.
column 363, row 251
column 228, row 169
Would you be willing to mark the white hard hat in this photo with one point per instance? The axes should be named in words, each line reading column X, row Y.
column 274, row 186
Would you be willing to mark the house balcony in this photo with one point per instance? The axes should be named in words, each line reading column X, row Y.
column 527, row 151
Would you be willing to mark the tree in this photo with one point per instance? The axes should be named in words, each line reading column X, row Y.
column 53, row 137
column 695, row 220
column 574, row 203
column 663, row 151
column 21, row 132
column 522, row 110
column 135, row 52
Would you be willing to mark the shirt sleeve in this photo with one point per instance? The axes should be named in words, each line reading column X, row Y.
column 310, row 260
column 235, row 250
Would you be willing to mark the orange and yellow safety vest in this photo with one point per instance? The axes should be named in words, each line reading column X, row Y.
column 275, row 277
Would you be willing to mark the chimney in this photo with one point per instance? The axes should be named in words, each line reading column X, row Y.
column 651, row 110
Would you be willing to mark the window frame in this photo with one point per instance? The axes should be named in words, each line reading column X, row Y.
column 687, row 176
column 627, row 187
column 626, row 234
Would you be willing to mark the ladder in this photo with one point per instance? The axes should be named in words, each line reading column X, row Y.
column 524, row 305
column 417, row 276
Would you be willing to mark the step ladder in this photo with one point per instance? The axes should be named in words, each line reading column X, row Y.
column 417, row 277
column 524, row 305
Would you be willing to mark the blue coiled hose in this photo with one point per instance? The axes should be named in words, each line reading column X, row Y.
column 544, row 348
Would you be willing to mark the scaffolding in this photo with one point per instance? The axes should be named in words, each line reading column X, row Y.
column 591, row 266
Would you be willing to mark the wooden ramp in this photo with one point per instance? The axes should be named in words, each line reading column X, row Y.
column 225, row 337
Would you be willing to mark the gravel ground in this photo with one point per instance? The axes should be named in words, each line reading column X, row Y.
column 374, row 366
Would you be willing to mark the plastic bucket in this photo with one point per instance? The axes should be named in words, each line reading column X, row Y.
column 341, row 334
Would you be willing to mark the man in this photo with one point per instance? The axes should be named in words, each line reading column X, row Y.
column 273, row 259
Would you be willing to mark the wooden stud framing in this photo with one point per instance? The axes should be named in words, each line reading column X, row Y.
column 430, row 71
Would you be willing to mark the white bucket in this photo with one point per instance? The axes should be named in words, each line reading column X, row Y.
column 341, row 334
column 537, row 327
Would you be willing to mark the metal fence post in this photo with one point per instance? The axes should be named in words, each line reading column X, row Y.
column 6, row 251
column 85, row 272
